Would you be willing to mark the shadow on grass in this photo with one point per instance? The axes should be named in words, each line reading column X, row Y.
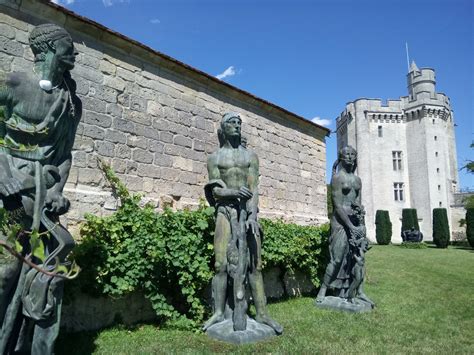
column 82, row 343
column 76, row 343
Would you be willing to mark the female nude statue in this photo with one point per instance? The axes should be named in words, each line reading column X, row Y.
column 348, row 242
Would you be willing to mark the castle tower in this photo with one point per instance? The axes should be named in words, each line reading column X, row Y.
column 406, row 151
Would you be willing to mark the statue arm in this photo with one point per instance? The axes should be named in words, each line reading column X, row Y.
column 253, row 186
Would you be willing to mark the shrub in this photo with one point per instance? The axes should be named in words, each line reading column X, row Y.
column 383, row 227
column 169, row 256
column 441, row 233
column 409, row 219
column 413, row 245
column 290, row 246
column 470, row 226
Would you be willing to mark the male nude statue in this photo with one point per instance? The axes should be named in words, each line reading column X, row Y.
column 233, row 190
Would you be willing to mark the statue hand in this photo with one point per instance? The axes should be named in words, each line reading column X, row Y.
column 245, row 193
column 10, row 187
column 56, row 202
column 253, row 226
column 358, row 232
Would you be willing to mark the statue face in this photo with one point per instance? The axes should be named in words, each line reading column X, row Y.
column 65, row 53
column 232, row 127
column 348, row 156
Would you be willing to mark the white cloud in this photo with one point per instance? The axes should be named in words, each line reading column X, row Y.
column 108, row 3
column 321, row 121
column 155, row 21
column 230, row 71
column 63, row 2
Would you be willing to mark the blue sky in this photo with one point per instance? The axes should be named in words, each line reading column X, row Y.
column 311, row 57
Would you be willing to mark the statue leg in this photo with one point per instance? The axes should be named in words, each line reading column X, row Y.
column 257, row 285
column 337, row 252
column 219, row 282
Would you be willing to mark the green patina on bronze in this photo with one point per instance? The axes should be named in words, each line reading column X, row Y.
column 37, row 130
column 348, row 242
column 233, row 190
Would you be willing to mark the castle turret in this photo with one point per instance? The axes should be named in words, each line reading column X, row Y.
column 421, row 82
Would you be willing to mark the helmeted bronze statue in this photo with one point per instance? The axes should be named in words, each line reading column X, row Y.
column 348, row 242
column 41, row 114
column 233, row 191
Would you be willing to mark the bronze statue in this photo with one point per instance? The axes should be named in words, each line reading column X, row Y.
column 41, row 114
column 348, row 242
column 233, row 190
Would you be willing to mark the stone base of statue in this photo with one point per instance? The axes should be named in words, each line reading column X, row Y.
column 224, row 331
column 355, row 305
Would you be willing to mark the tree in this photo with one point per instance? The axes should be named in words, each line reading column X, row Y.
column 409, row 219
column 383, row 227
column 470, row 226
column 441, row 234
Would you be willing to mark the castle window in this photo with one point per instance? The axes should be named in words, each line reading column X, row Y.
column 398, row 191
column 380, row 131
column 440, row 204
column 397, row 160
column 435, row 138
column 436, row 154
column 439, row 187
column 433, row 121
column 437, row 170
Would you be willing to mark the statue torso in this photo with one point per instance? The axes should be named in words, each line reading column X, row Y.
column 233, row 165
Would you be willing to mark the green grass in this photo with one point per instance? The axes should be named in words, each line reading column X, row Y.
column 425, row 304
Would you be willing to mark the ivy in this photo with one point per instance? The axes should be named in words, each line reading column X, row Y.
column 169, row 255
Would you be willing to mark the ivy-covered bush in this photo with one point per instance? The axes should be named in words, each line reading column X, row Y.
column 409, row 219
column 290, row 246
column 383, row 227
column 169, row 256
column 470, row 226
column 441, row 234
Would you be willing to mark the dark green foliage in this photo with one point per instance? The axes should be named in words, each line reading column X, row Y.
column 383, row 227
column 470, row 226
column 409, row 219
column 414, row 245
column 168, row 256
column 290, row 247
column 441, row 234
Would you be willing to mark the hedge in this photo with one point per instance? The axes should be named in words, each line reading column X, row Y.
column 441, row 234
column 169, row 255
column 383, row 227
column 470, row 226
column 409, row 219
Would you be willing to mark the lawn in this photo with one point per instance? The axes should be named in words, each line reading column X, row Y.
column 425, row 304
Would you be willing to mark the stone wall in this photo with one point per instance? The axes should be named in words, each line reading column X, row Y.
column 155, row 120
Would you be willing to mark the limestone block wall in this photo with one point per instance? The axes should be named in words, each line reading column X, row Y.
column 155, row 119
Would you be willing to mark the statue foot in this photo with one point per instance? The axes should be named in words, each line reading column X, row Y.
column 364, row 297
column 216, row 318
column 270, row 322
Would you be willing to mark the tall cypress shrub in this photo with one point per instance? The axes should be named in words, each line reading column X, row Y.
column 441, row 234
column 383, row 227
column 470, row 226
column 409, row 219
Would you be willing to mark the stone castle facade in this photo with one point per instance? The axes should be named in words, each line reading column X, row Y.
column 155, row 120
column 406, row 152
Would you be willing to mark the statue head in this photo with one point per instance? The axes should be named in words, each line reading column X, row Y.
column 230, row 128
column 53, row 48
column 347, row 156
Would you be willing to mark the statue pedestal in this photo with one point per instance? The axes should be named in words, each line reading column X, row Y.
column 356, row 305
column 224, row 331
